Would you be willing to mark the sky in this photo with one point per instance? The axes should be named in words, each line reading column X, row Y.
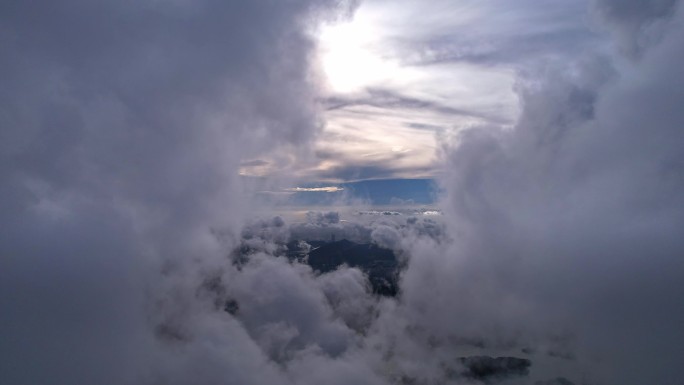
column 523, row 160
column 425, row 79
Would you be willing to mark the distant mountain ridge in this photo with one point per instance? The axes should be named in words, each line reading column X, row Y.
column 380, row 264
column 375, row 192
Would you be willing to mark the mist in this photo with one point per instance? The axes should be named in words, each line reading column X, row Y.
column 134, row 250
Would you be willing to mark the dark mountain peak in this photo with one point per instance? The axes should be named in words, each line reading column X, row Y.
column 485, row 367
column 381, row 265
column 342, row 243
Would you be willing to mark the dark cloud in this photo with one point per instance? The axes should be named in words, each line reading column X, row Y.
column 570, row 221
column 388, row 99
column 636, row 24
column 123, row 126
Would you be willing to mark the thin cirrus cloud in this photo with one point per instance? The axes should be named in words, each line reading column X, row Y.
column 452, row 67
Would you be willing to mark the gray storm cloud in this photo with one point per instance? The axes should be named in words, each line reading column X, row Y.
column 124, row 126
column 570, row 223
column 635, row 24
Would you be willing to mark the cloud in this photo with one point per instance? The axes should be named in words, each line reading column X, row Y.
column 566, row 225
column 316, row 189
column 636, row 24
column 124, row 125
column 131, row 255
column 388, row 99
column 386, row 236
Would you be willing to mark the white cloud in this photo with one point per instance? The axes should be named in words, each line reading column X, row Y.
column 327, row 189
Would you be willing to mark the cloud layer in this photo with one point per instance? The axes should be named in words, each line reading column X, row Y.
column 123, row 126
column 128, row 254
column 572, row 218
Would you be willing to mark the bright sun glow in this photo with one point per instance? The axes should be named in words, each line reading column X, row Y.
column 350, row 58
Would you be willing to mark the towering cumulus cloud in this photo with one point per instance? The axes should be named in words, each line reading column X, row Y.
column 570, row 223
column 123, row 125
